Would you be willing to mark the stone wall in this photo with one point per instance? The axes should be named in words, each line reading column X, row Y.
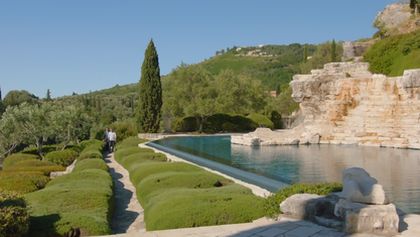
column 346, row 104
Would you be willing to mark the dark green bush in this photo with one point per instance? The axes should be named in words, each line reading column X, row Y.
column 90, row 164
column 275, row 117
column 87, row 143
column 78, row 200
column 16, row 158
column 63, row 158
column 14, row 218
column 261, row 120
column 217, row 123
column 273, row 202
column 92, row 149
column 22, row 182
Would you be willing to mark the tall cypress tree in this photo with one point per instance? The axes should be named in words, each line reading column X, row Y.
column 333, row 51
column 48, row 96
column 150, row 102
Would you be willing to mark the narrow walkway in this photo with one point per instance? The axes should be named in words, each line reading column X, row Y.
column 128, row 215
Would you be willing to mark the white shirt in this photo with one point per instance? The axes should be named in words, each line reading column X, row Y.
column 112, row 136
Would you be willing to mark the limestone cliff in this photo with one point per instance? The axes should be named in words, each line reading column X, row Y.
column 344, row 103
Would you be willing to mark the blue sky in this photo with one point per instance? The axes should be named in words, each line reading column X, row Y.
column 83, row 45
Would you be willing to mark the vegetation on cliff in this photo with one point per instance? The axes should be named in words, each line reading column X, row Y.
column 394, row 54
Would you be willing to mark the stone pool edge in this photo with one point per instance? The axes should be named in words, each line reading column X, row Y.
column 256, row 190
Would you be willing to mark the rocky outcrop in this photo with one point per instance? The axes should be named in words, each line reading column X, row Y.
column 344, row 103
column 346, row 211
column 397, row 19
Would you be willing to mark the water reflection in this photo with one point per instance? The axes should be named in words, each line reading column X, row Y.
column 397, row 169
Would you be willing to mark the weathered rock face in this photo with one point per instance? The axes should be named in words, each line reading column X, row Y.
column 396, row 19
column 360, row 187
column 346, row 104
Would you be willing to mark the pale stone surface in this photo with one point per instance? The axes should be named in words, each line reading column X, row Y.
column 344, row 103
column 68, row 170
column 376, row 219
column 396, row 19
column 359, row 186
column 296, row 205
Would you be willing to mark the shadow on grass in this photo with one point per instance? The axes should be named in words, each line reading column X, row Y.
column 43, row 225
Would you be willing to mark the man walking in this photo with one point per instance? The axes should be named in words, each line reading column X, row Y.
column 112, row 138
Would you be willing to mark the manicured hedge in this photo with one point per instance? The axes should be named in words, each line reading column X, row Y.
column 34, row 150
column 90, row 164
column 78, row 200
column 22, row 182
column 44, row 167
column 92, row 149
column 63, row 158
column 273, row 202
column 261, row 120
column 178, row 195
column 14, row 218
column 16, row 158
column 223, row 123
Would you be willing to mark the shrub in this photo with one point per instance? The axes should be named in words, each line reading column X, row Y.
column 180, row 208
column 63, row 158
column 16, row 158
column 273, row 202
column 261, row 120
column 14, row 218
column 137, row 158
column 92, row 149
column 138, row 173
column 130, row 142
column 34, row 150
column 155, row 184
column 126, row 151
column 392, row 55
column 80, row 199
column 84, row 144
column 22, row 182
column 125, row 129
column 45, row 167
column 90, row 154
column 217, row 123
column 187, row 124
column 90, row 164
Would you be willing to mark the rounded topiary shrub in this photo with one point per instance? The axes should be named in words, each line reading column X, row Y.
column 64, row 158
column 261, row 120
column 16, row 158
column 14, row 218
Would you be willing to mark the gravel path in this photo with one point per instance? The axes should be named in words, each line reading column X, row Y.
column 128, row 215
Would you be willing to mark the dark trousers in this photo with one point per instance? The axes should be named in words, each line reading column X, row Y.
column 111, row 146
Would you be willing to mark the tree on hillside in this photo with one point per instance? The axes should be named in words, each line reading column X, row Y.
column 305, row 53
column 2, row 107
column 150, row 101
column 333, row 51
column 48, row 96
column 17, row 97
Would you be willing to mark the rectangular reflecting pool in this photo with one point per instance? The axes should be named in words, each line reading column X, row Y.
column 398, row 170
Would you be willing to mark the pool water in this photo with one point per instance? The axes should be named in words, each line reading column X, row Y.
column 398, row 170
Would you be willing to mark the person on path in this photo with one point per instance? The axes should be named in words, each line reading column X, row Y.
column 106, row 138
column 112, row 137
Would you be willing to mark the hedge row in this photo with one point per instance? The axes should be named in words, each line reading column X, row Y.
column 91, row 149
column 14, row 218
column 224, row 123
column 24, row 173
column 179, row 195
column 81, row 200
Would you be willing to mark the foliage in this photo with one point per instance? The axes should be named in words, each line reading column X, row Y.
column 14, row 218
column 272, row 203
column 44, row 167
column 22, row 182
column 333, row 51
column 275, row 117
column 125, row 129
column 78, row 200
column 16, row 97
column 392, row 55
column 283, row 103
column 261, row 120
column 90, row 164
column 177, row 195
column 13, row 159
column 150, row 91
column 322, row 55
column 63, row 158
column 92, row 150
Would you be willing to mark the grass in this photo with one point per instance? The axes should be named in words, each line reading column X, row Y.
column 179, row 195
column 64, row 157
column 82, row 199
column 392, row 55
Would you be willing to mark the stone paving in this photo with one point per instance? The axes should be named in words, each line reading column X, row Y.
column 128, row 216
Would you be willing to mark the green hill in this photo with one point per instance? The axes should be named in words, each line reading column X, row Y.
column 392, row 55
